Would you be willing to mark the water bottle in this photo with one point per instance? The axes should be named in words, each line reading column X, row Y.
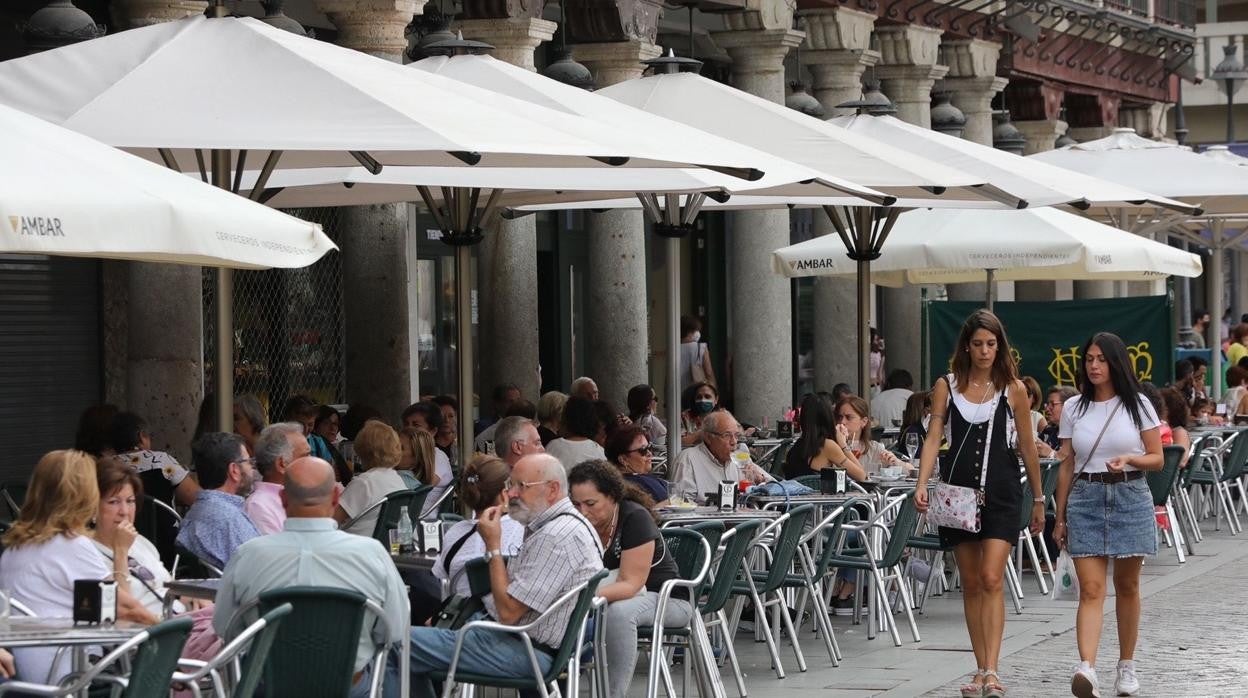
column 405, row 533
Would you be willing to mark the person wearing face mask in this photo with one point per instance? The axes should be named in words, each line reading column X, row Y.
column 695, row 357
column 698, row 400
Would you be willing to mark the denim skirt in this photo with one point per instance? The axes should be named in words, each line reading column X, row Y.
column 1110, row 520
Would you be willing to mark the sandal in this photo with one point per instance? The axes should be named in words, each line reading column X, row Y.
column 974, row 689
column 992, row 686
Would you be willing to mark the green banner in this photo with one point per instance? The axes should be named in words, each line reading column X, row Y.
column 1047, row 337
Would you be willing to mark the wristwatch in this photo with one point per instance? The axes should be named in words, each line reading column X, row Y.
column 491, row 554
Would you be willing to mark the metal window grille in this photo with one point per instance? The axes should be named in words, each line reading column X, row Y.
column 288, row 327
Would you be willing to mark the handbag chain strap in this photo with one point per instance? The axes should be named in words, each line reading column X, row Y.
column 1099, row 436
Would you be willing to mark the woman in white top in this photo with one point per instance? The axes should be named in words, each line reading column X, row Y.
column 378, row 448
column 115, row 537
column 853, row 413
column 484, row 487
column 580, row 428
column 1110, row 435
column 49, row 547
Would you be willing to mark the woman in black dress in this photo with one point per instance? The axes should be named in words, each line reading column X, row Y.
column 973, row 411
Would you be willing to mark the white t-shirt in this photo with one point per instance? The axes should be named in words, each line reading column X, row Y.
column 474, row 547
column 573, row 453
column 889, row 406
column 41, row 575
column 149, row 592
column 446, row 477
column 366, row 488
column 1122, row 438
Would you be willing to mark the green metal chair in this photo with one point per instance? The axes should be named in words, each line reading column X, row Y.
column 1161, row 483
column 314, row 650
column 764, row 588
column 778, row 457
column 190, row 566
column 736, row 544
column 224, row 675
column 392, row 507
column 1222, row 468
column 565, row 657
column 824, row 538
column 692, row 550
column 153, row 657
column 885, row 564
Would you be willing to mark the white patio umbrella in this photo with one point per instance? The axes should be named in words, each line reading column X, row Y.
column 1171, row 170
column 64, row 194
column 1222, row 153
column 335, row 107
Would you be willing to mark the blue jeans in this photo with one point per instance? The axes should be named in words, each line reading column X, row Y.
column 484, row 652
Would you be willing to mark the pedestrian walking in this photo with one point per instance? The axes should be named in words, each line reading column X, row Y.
column 1110, row 435
column 974, row 412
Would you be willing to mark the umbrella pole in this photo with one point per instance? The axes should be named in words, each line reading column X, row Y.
column 225, row 313
column 1216, row 303
column 463, row 346
column 990, row 293
column 864, row 326
column 673, row 352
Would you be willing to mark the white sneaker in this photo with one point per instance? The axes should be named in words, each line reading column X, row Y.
column 1126, row 684
column 1083, row 683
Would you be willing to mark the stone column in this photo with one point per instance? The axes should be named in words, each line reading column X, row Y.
column 132, row 14
column 507, row 299
column 1041, row 135
column 373, row 243
column 908, row 69
column 618, row 341
column 762, row 318
column 837, row 54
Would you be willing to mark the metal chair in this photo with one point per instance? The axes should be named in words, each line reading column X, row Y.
column 692, row 553
column 1161, row 483
column 824, row 538
column 191, row 566
column 224, row 673
column 159, row 523
column 1220, row 468
column 153, row 656
column 389, row 508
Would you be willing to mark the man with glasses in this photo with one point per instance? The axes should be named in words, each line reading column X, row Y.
column 216, row 525
column 560, row 552
column 700, row 469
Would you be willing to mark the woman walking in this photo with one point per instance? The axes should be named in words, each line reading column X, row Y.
column 971, row 409
column 1110, row 435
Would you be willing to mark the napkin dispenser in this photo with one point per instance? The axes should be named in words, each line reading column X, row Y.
column 832, row 481
column 784, row 429
column 431, row 537
column 95, row 601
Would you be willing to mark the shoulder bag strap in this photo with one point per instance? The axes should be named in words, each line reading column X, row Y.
column 452, row 551
column 948, row 412
column 1099, row 436
column 983, row 468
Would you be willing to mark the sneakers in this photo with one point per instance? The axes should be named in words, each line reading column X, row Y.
column 1126, row 684
column 1083, row 683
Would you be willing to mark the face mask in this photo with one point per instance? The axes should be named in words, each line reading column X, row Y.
column 696, row 336
column 703, row 406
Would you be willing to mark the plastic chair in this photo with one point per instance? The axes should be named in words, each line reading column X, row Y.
column 1161, row 483
column 885, row 564
column 764, row 588
column 314, row 649
column 155, row 656
column 566, row 656
column 256, row 641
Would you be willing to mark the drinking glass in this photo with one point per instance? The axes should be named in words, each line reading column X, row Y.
column 912, row 444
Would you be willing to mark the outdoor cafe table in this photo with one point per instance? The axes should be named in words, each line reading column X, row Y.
column 414, row 562
column 203, row 589
column 672, row 516
column 57, row 632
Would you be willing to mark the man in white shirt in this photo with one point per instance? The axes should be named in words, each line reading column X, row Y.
column 890, row 404
column 700, row 469
column 279, row 445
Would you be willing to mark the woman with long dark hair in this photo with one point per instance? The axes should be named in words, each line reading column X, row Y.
column 822, row 443
column 1110, row 436
column 971, row 407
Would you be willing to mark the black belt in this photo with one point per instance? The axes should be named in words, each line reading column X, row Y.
column 1111, row 478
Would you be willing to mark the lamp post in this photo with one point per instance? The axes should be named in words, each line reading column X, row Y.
column 1230, row 75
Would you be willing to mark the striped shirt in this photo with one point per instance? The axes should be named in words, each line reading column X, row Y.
column 560, row 551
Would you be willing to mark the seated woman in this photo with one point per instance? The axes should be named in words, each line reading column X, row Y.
column 697, row 401
column 49, row 547
column 580, row 429
column 416, row 467
column 484, row 486
column 378, row 449
column 629, row 450
column 121, row 490
column 1036, row 398
column 822, row 443
column 852, row 413
column 641, row 403
column 164, row 478
column 620, row 514
column 326, row 436
column 1175, row 415
column 914, row 418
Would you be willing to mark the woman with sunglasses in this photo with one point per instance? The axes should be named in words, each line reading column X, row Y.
column 629, row 450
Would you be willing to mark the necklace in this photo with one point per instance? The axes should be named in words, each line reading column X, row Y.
column 615, row 518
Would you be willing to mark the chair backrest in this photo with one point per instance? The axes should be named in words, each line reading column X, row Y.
column 811, row 481
column 191, row 567
column 13, row 494
column 903, row 528
column 785, row 548
column 576, row 622
column 314, row 654
column 712, row 531
column 392, row 508
column 684, row 546
column 720, row 590
column 159, row 523
column 258, row 653
column 1048, row 479
column 779, row 457
column 831, row 534
column 154, row 661
column 1234, row 462
column 1161, row 482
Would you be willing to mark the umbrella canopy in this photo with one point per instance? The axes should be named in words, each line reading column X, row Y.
column 62, row 193
column 941, row 246
column 1040, row 183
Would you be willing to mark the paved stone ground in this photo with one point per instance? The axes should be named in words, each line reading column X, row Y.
column 1193, row 637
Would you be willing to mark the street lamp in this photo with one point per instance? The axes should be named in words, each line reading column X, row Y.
column 1230, row 75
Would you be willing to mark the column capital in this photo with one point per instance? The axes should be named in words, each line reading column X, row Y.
column 970, row 58
column 372, row 26
column 761, row 50
column 1041, row 135
column 132, row 14
column 599, row 21
column 513, row 38
column 909, row 45
column 973, row 92
column 616, row 61
column 906, row 79
column 836, row 76
column 761, row 15
column 837, row 29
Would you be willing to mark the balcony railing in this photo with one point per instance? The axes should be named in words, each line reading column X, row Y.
column 1135, row 7
column 1179, row 13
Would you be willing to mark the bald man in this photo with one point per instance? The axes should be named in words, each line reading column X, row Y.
column 311, row 551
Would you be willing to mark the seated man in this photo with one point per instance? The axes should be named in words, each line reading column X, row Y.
column 279, row 445
column 700, row 469
column 311, row 551
column 216, row 525
column 560, row 551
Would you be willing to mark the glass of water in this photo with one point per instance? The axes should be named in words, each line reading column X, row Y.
column 912, row 444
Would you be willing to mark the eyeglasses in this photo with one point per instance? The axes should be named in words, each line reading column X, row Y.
column 643, row 451
column 730, row 435
column 246, row 461
column 510, row 485
column 1054, row 404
